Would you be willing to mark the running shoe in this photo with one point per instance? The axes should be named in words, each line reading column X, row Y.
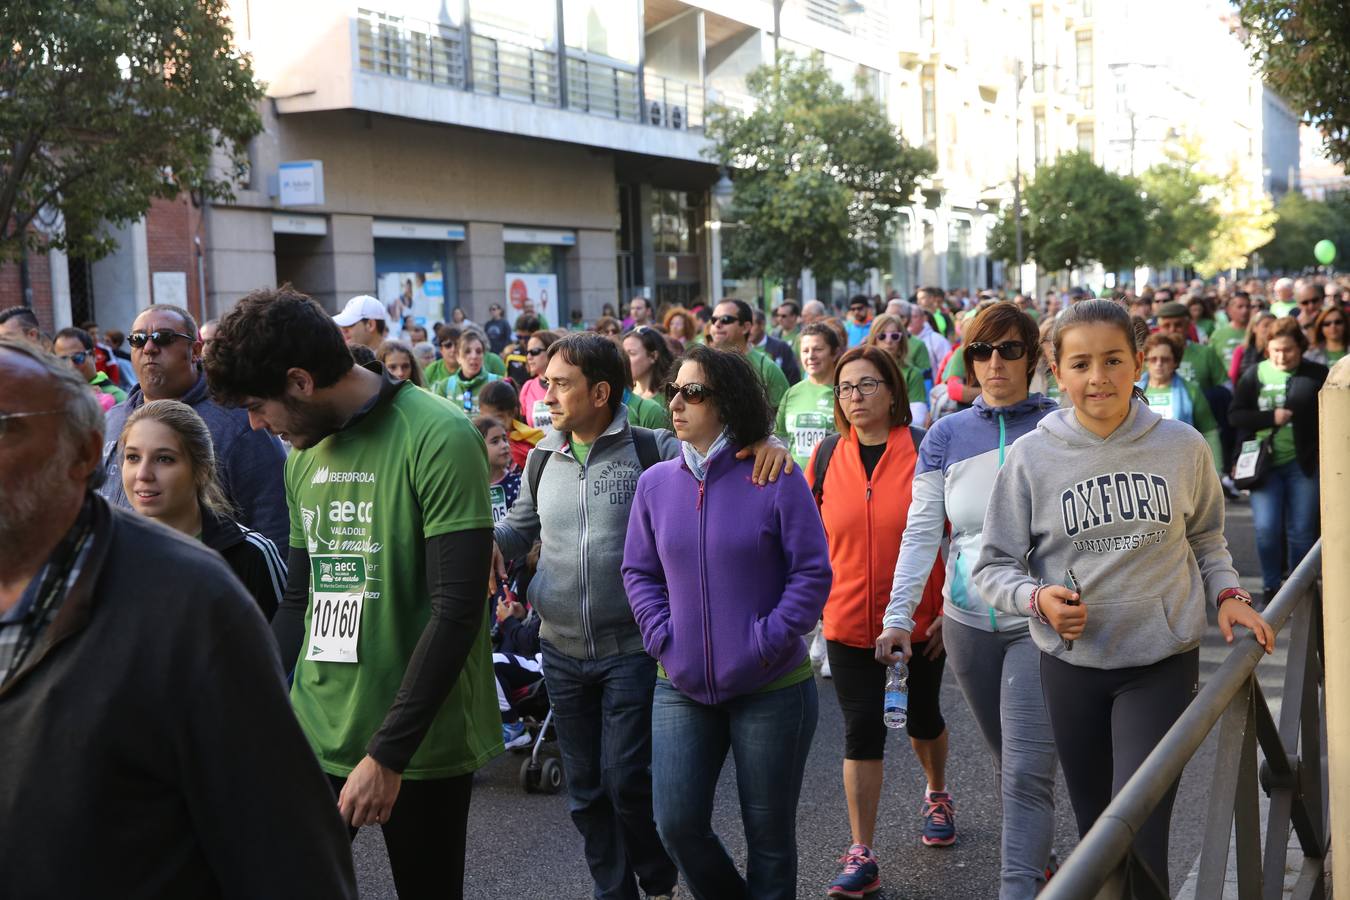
column 939, row 819
column 514, row 734
column 859, row 877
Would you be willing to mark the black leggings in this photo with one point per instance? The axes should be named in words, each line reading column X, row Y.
column 1106, row 722
column 860, row 683
column 425, row 836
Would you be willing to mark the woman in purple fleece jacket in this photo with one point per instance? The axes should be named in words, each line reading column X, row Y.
column 724, row 579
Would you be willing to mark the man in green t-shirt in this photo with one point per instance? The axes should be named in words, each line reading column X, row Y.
column 729, row 329
column 787, row 320
column 1225, row 339
column 1202, row 367
column 382, row 622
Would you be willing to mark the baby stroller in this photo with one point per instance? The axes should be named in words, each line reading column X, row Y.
column 538, row 773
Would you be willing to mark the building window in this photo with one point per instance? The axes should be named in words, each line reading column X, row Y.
column 1085, row 144
column 1084, row 57
column 926, row 23
column 1038, row 129
column 929, row 89
column 675, row 222
column 1037, row 49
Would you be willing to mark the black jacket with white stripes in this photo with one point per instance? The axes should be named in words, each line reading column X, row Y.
column 251, row 555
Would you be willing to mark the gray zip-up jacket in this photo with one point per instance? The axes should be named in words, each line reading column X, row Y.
column 581, row 518
column 1138, row 517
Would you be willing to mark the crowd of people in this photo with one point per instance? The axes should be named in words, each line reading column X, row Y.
column 673, row 520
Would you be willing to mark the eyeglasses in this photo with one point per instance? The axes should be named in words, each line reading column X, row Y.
column 162, row 337
column 537, row 351
column 693, row 393
column 865, row 387
column 891, row 336
column 725, row 320
column 981, row 352
column 77, row 359
column 611, row 332
column 447, row 343
column 5, row 417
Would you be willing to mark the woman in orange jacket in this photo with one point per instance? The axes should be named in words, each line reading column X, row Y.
column 864, row 497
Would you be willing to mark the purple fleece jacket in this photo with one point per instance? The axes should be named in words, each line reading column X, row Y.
column 724, row 577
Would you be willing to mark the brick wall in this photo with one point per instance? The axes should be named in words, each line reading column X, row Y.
column 39, row 277
column 170, row 228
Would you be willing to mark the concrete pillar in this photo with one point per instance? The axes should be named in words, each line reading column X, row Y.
column 240, row 255
column 481, row 263
column 1334, row 463
column 59, row 267
column 592, row 274
column 121, row 280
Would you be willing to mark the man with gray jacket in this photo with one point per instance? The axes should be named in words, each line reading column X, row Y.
column 575, row 499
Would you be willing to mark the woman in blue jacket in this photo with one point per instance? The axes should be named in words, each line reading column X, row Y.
column 724, row 579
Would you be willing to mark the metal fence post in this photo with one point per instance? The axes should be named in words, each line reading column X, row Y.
column 1334, row 470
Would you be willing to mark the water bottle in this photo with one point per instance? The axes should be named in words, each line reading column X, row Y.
column 895, row 706
column 468, row 403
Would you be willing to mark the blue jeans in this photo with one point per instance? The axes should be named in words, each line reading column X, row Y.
column 1285, row 510
column 770, row 736
column 602, row 709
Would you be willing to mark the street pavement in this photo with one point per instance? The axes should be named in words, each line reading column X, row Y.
column 524, row 846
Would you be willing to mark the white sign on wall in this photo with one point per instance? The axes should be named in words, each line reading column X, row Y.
column 169, row 287
column 301, row 182
column 541, row 290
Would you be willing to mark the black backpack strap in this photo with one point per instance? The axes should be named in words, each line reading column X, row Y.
column 916, row 435
column 822, row 462
column 534, row 470
column 644, row 442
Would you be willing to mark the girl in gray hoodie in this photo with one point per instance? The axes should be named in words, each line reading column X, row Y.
column 1106, row 528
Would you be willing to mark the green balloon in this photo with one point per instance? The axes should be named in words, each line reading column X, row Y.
column 1325, row 251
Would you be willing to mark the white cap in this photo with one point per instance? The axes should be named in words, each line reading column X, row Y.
column 358, row 308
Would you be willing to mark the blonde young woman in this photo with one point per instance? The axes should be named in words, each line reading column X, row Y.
column 890, row 333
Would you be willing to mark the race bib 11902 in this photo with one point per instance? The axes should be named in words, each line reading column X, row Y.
column 339, row 586
column 808, row 430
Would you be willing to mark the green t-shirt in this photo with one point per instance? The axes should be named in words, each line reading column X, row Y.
column 1274, row 384
column 774, row 381
column 1201, row 366
column 579, row 450
column 914, row 384
column 1225, row 340
column 455, row 387
column 435, row 373
column 363, row 502
column 1205, row 327
column 494, row 363
column 956, row 367
column 805, row 417
column 918, row 355
column 646, row 412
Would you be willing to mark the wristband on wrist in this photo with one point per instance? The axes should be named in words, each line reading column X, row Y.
column 1233, row 593
column 1035, row 605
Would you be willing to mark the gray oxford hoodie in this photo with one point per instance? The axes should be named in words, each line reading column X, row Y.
column 1138, row 516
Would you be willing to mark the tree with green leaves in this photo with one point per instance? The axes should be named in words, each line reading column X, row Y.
column 1075, row 212
column 1303, row 49
column 819, row 176
column 107, row 104
column 1182, row 202
column 1299, row 224
column 1246, row 222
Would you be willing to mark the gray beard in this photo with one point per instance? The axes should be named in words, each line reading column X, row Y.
column 21, row 508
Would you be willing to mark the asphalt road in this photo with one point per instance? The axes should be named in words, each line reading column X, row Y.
column 525, row 847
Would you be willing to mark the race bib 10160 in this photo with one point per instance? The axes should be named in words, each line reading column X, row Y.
column 339, row 586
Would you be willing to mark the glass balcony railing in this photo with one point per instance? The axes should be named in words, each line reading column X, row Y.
column 518, row 67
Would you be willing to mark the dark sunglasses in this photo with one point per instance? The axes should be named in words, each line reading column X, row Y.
column 447, row 343
column 77, row 359
column 981, row 352
column 162, row 337
column 725, row 320
column 693, row 393
column 890, row 335
column 535, row 352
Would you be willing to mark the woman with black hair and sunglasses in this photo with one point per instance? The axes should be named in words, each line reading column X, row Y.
column 991, row 653
column 725, row 579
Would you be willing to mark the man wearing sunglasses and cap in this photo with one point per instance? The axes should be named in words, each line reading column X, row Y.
column 165, row 351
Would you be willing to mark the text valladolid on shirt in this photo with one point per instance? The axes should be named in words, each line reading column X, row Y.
column 362, row 503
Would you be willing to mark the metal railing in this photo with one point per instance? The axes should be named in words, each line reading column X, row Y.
column 409, row 48
column 519, row 67
column 1103, row 866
